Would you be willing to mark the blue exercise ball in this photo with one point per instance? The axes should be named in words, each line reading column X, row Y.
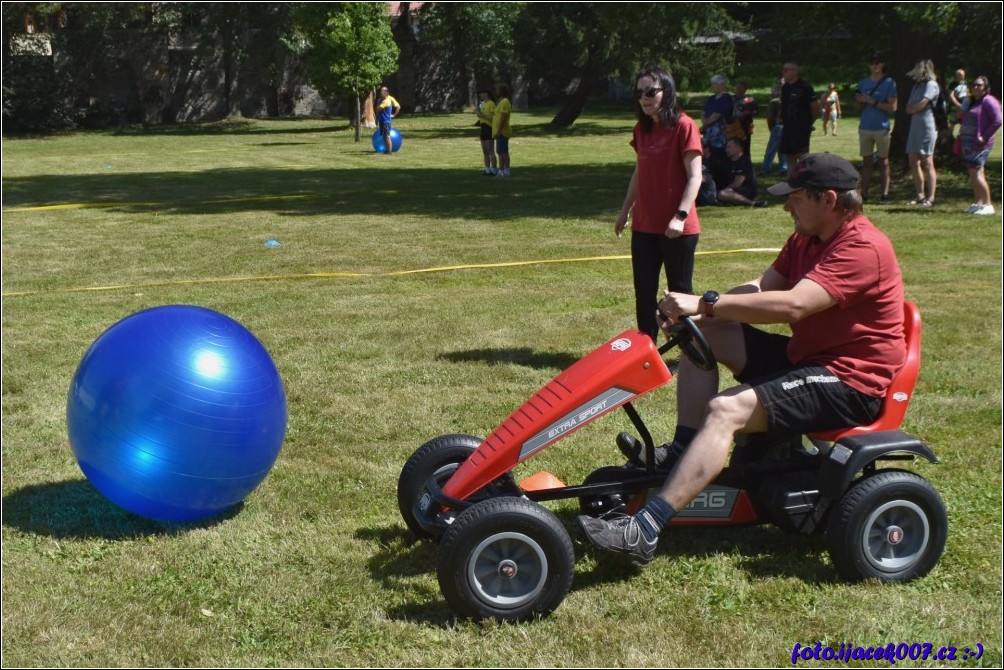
column 395, row 141
column 176, row 413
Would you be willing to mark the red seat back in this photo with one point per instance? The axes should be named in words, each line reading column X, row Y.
column 897, row 396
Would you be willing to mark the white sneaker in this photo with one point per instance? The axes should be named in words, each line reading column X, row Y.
column 985, row 210
column 973, row 207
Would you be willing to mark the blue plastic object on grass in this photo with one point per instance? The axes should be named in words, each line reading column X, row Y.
column 176, row 413
column 395, row 141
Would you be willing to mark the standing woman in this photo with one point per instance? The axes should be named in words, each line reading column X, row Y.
column 979, row 124
column 831, row 107
column 486, row 111
column 923, row 132
column 661, row 194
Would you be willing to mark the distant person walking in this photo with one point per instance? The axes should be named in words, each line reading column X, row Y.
column 831, row 107
column 502, row 130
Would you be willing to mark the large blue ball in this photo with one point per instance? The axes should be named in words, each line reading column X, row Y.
column 176, row 413
column 395, row 141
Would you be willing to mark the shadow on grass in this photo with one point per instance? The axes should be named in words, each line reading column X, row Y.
column 764, row 553
column 387, row 188
column 74, row 509
column 518, row 356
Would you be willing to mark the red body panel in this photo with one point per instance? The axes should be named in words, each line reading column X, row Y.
column 619, row 371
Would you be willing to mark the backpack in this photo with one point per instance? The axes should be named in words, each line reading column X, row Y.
column 940, row 108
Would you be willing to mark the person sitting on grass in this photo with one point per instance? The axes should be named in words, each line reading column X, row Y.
column 741, row 189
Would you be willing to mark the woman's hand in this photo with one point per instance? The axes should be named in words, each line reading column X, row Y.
column 675, row 228
column 621, row 223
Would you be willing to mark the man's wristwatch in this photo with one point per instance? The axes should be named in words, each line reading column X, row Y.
column 710, row 298
column 682, row 214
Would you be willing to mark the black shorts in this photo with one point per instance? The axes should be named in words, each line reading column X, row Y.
column 385, row 128
column 486, row 132
column 800, row 399
column 795, row 141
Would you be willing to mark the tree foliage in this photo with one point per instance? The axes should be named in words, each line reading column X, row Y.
column 350, row 48
column 103, row 55
column 573, row 45
column 476, row 38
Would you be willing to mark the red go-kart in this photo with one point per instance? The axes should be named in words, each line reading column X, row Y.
column 502, row 555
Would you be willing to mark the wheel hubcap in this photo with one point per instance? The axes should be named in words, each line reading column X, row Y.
column 895, row 535
column 507, row 570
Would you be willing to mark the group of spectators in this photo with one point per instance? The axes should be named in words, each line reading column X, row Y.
column 728, row 176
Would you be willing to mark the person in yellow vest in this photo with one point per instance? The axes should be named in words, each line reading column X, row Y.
column 486, row 112
column 501, row 129
column 387, row 108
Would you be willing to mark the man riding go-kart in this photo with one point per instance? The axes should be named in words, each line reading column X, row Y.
column 843, row 380
column 838, row 284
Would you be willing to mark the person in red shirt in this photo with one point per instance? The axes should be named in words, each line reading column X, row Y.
column 838, row 284
column 661, row 194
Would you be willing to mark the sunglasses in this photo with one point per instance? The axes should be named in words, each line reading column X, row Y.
column 648, row 92
column 979, row 86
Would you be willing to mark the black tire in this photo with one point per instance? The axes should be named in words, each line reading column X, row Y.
column 890, row 526
column 598, row 505
column 439, row 457
column 507, row 559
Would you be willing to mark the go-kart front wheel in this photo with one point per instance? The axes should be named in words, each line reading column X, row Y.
column 890, row 526
column 439, row 458
column 507, row 559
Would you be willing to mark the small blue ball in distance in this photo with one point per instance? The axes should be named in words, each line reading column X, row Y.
column 176, row 413
column 395, row 141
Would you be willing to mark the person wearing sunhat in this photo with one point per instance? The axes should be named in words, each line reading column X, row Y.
column 838, row 285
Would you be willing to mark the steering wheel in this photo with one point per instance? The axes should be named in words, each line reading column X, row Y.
column 688, row 336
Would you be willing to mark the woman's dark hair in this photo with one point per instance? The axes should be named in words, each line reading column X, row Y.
column 669, row 112
column 491, row 96
column 503, row 91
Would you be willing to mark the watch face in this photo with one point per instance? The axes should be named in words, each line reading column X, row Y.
column 711, row 296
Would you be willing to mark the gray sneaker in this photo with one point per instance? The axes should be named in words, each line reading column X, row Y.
column 622, row 535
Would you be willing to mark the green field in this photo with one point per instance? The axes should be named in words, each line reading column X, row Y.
column 411, row 297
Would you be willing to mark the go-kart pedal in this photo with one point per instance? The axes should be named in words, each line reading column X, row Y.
column 634, row 450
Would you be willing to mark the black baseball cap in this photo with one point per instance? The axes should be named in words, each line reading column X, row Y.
column 821, row 172
column 876, row 58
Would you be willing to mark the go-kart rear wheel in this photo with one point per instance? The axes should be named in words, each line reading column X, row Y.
column 507, row 559
column 439, row 458
column 890, row 526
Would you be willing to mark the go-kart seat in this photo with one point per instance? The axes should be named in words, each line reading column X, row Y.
column 897, row 397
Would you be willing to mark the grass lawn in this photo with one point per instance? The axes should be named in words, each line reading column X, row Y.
column 411, row 297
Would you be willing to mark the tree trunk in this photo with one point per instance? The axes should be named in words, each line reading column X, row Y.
column 577, row 99
column 574, row 104
column 358, row 119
